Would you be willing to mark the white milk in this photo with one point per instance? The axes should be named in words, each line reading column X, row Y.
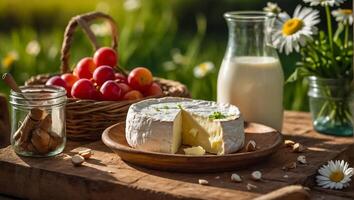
column 255, row 85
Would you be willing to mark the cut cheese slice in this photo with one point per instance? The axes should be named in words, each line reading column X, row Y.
column 199, row 130
column 162, row 125
column 194, row 151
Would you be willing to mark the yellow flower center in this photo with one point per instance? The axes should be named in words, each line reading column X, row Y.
column 204, row 67
column 346, row 11
column 336, row 176
column 292, row 26
column 8, row 61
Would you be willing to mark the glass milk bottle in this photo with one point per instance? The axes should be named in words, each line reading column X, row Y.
column 251, row 76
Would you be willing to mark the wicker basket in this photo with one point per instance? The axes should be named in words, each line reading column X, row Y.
column 86, row 119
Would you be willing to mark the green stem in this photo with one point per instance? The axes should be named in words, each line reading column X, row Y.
column 323, row 109
column 336, row 110
column 323, row 71
column 329, row 27
column 346, row 35
column 330, row 37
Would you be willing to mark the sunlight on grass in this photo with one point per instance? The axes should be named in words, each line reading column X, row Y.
column 150, row 35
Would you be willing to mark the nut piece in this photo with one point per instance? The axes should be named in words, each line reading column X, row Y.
column 77, row 160
column 55, row 141
column 30, row 122
column 302, row 159
column 40, row 140
column 291, row 165
column 256, row 175
column 203, row 182
column 85, row 153
column 251, row 186
column 289, row 143
column 298, row 148
column 66, row 156
column 31, row 148
column 251, row 146
column 236, row 178
column 46, row 123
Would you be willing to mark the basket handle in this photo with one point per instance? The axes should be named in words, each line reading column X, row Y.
column 83, row 21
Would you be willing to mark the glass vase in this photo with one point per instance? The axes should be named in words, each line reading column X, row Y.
column 329, row 106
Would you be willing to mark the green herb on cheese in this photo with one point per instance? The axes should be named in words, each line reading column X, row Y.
column 217, row 115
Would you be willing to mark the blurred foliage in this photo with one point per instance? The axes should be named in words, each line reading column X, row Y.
column 170, row 37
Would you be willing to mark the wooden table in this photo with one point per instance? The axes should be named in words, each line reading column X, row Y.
column 106, row 176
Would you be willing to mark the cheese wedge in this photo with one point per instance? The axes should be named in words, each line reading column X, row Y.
column 194, row 151
column 163, row 125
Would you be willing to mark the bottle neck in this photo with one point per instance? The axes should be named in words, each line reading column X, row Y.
column 250, row 38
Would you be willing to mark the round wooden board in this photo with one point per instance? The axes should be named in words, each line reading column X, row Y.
column 268, row 141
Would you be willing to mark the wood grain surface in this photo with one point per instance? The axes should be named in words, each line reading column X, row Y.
column 267, row 139
column 106, row 176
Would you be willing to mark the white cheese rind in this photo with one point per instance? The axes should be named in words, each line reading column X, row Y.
column 150, row 124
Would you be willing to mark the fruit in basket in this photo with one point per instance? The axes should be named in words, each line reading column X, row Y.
column 124, row 87
column 84, row 89
column 57, row 81
column 133, row 95
column 97, row 95
column 111, row 91
column 140, row 79
column 105, row 56
column 69, row 79
column 120, row 78
column 153, row 90
column 103, row 74
column 96, row 78
column 85, row 68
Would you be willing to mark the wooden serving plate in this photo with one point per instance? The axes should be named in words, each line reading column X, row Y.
column 268, row 141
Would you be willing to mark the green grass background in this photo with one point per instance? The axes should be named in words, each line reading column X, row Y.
column 175, row 33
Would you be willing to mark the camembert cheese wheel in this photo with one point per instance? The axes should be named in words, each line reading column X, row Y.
column 164, row 124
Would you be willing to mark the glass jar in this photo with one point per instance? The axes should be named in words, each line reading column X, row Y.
column 38, row 120
column 251, row 76
column 329, row 106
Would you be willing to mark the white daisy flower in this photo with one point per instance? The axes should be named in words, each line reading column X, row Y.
column 273, row 8
column 324, row 2
column 178, row 57
column 291, row 33
column 33, row 48
column 334, row 175
column 132, row 5
column 203, row 69
column 343, row 15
